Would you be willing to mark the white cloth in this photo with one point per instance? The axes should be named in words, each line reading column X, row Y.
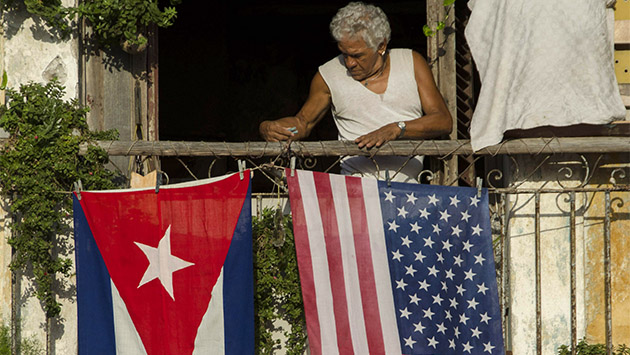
column 358, row 111
column 541, row 63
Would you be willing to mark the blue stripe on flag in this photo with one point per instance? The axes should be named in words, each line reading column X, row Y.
column 94, row 294
column 238, row 286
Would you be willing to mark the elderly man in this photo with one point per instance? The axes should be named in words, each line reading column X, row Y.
column 376, row 95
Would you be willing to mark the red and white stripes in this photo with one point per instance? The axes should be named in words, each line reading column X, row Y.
column 343, row 264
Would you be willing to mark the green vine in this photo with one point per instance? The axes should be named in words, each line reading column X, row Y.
column 38, row 167
column 430, row 31
column 112, row 21
column 584, row 348
column 116, row 20
column 277, row 294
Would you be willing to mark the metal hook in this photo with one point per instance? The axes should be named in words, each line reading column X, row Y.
column 387, row 178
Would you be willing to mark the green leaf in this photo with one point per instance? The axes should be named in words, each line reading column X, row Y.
column 440, row 26
column 448, row 2
column 427, row 31
column 5, row 79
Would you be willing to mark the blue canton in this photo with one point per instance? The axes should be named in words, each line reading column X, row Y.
column 439, row 247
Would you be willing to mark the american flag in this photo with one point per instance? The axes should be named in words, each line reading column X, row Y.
column 393, row 268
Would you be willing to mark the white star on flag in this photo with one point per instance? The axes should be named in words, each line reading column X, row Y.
column 432, row 342
column 479, row 259
column 410, row 270
column 467, row 347
column 419, row 327
column 488, row 347
column 415, row 227
column 467, row 246
column 433, row 271
column 406, row 241
column 469, row 275
column 404, row 313
column 472, row 304
column 444, row 216
column 482, row 288
column 457, row 260
column 393, row 226
column 415, row 300
column 475, row 332
column 428, row 313
column 437, row 299
column 441, row 328
column 162, row 264
column 409, row 342
column 446, row 245
column 485, row 318
column 424, row 285
column 419, row 256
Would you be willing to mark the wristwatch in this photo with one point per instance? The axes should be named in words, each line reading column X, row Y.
column 403, row 126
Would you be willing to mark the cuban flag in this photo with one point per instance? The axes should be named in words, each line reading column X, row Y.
column 166, row 272
column 394, row 268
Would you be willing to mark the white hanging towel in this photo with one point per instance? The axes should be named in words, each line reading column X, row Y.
column 541, row 63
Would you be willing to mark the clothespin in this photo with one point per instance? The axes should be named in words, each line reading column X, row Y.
column 388, row 179
column 78, row 187
column 479, row 183
column 241, row 168
column 158, row 181
column 292, row 164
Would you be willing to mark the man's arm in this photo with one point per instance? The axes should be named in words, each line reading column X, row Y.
column 314, row 109
column 435, row 122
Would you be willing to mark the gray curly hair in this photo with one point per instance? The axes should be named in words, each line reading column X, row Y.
column 360, row 19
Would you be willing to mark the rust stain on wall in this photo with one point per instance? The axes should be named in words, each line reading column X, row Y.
column 620, row 268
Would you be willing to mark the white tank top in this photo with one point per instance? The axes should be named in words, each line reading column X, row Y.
column 357, row 111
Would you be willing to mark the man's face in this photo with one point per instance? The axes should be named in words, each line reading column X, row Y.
column 360, row 60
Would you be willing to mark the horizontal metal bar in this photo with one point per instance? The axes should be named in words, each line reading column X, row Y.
column 338, row 148
column 499, row 191
column 517, row 190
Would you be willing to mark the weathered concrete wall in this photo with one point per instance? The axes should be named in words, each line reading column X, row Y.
column 31, row 53
column 620, row 269
column 555, row 257
column 28, row 52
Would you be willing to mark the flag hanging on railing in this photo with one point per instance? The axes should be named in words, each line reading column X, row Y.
column 394, row 268
column 166, row 272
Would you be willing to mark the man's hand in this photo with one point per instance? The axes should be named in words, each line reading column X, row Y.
column 379, row 137
column 274, row 131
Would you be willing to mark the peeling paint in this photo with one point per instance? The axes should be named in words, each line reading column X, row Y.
column 555, row 259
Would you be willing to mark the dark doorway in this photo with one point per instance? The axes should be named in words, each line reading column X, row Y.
column 225, row 66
